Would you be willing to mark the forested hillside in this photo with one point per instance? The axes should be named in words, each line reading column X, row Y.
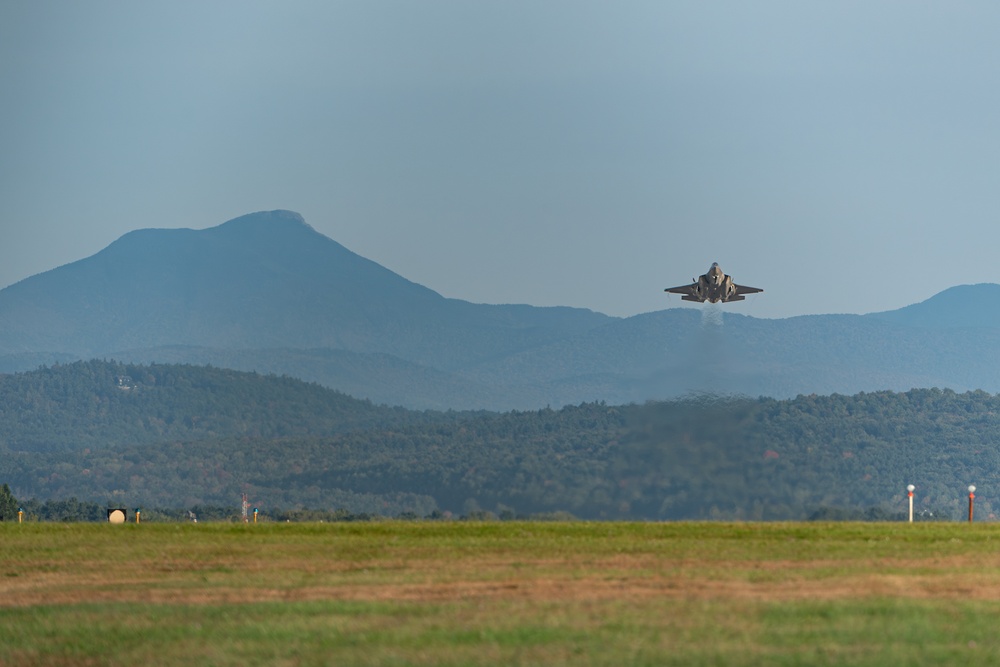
column 179, row 436
column 97, row 404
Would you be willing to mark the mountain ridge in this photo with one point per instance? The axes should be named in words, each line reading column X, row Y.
column 263, row 280
column 266, row 291
column 971, row 306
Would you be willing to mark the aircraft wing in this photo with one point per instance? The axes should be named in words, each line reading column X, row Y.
column 740, row 290
column 743, row 289
column 687, row 292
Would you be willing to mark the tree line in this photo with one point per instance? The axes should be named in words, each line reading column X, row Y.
column 299, row 447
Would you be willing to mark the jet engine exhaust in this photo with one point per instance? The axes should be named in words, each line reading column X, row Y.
column 711, row 316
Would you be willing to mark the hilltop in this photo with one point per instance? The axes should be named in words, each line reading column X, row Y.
column 94, row 404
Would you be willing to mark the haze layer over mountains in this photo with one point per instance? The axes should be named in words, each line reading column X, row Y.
column 266, row 292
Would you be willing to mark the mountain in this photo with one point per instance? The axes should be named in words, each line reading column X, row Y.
column 961, row 307
column 265, row 280
column 265, row 292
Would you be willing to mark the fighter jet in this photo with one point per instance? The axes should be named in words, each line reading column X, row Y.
column 714, row 286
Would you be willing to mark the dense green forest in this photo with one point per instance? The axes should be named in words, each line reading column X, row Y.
column 91, row 404
column 184, row 436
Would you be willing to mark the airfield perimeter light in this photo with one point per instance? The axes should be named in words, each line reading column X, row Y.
column 909, row 492
column 972, row 495
column 20, row 514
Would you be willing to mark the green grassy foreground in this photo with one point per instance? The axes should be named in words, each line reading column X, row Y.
column 440, row 593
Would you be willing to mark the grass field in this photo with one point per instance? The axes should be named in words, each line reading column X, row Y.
column 503, row 593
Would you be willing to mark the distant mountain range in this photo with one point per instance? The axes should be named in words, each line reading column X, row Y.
column 266, row 292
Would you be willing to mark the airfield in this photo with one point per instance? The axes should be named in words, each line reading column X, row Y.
column 499, row 593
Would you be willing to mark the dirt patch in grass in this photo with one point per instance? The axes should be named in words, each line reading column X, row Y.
column 442, row 563
column 620, row 578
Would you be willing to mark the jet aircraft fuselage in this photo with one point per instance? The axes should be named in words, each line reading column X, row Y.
column 714, row 287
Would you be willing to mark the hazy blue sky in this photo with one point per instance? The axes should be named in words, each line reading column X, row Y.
column 844, row 156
